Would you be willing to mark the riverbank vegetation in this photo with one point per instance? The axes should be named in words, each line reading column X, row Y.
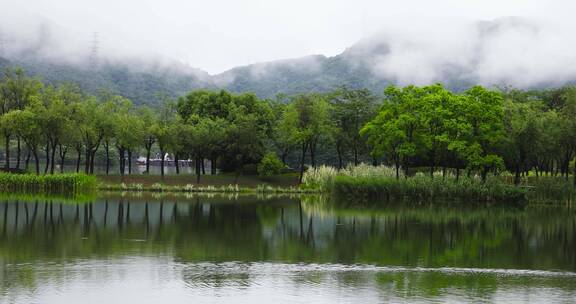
column 477, row 132
column 366, row 184
column 61, row 184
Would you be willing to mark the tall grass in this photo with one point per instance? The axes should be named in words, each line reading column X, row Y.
column 421, row 188
column 366, row 183
column 61, row 184
column 321, row 178
column 550, row 189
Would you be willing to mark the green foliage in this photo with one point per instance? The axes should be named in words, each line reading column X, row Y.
column 270, row 165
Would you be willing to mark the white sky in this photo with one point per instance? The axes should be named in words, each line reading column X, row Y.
column 216, row 35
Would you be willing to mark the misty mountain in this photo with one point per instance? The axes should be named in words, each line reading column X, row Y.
column 312, row 73
column 506, row 51
column 142, row 85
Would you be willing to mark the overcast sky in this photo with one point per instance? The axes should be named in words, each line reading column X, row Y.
column 216, row 35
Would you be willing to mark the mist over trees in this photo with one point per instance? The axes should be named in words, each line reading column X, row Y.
column 484, row 53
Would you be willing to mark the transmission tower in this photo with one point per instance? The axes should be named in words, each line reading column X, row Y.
column 93, row 58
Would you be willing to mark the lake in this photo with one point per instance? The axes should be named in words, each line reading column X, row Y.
column 281, row 250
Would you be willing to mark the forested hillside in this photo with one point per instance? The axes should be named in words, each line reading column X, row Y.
column 142, row 85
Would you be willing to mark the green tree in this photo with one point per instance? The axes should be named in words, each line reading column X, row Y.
column 521, row 123
column 16, row 91
column 307, row 122
column 27, row 125
column 351, row 110
column 149, row 119
column 485, row 114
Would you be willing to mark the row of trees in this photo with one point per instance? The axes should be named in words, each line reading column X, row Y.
column 232, row 130
column 479, row 130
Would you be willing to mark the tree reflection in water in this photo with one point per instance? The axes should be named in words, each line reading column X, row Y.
column 211, row 242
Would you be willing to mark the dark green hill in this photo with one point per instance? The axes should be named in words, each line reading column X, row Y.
column 142, row 85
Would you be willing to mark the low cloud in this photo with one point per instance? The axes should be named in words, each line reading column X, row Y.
column 514, row 51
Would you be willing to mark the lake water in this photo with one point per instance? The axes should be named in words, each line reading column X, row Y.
column 282, row 250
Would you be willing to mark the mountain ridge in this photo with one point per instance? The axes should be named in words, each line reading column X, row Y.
column 371, row 63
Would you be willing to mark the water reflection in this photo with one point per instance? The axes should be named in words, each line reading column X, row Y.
column 245, row 247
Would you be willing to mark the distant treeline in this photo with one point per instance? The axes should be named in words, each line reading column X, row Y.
column 478, row 130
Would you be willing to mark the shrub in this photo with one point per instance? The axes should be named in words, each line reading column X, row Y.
column 270, row 165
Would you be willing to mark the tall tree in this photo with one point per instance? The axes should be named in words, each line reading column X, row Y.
column 16, row 91
column 307, row 122
column 350, row 110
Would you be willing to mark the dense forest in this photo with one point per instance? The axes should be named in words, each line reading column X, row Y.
column 479, row 130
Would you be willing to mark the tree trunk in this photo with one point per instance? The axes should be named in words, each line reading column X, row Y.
column 517, row 175
column 7, row 153
column 148, row 151
column 121, row 160
column 176, row 164
column 197, row 169
column 36, row 161
column 355, row 155
column 405, row 168
column 397, row 165
column 162, row 162
column 28, row 155
column 575, row 173
column 129, row 161
column 47, row 158
column 302, row 160
column 78, row 160
column 107, row 148
column 202, row 165
column 87, row 161
column 62, row 158
column 313, row 154
column 339, row 153
column 92, row 160
column 284, row 154
column 53, row 159
column 432, row 162
column 213, row 166
column 18, row 152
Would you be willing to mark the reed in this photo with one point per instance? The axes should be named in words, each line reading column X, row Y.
column 420, row 188
column 547, row 189
column 59, row 184
column 321, row 178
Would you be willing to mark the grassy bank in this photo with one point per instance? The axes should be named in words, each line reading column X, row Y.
column 363, row 183
column 57, row 184
column 209, row 184
column 181, row 180
column 194, row 188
